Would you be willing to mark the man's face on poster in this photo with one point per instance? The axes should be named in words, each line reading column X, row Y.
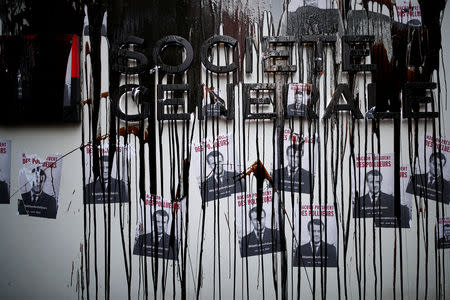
column 258, row 225
column 38, row 181
column 215, row 162
column 105, row 167
column 298, row 99
column 436, row 171
column 314, row 233
column 374, row 183
column 294, row 157
column 161, row 223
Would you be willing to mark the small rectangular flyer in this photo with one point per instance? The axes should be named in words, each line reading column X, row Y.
column 431, row 179
column 39, row 181
column 298, row 99
column 315, row 236
column 215, row 161
column 111, row 186
column 258, row 228
column 295, row 165
column 159, row 227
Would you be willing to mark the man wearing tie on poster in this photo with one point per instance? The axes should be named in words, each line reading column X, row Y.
column 316, row 252
column 105, row 186
column 298, row 108
column 425, row 185
column 365, row 205
column 293, row 178
column 262, row 239
column 157, row 243
column 380, row 205
column 35, row 202
column 219, row 183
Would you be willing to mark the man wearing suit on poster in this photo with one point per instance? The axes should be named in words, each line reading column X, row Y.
column 262, row 239
column 316, row 252
column 444, row 241
column 292, row 178
column 426, row 185
column 299, row 107
column 35, row 202
column 97, row 192
column 379, row 204
column 219, row 183
column 157, row 243
column 364, row 206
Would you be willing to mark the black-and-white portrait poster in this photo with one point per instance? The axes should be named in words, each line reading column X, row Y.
column 258, row 227
column 374, row 197
column 387, row 214
column 216, row 162
column 39, row 181
column 5, row 171
column 431, row 179
column 376, row 188
column 315, row 236
column 111, row 186
column 294, row 171
column 158, row 229
column 443, row 232
column 298, row 99
column 213, row 102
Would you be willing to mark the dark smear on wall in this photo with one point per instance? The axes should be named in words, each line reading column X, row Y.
column 193, row 20
column 237, row 26
column 431, row 20
column 389, row 4
column 304, row 21
column 95, row 13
